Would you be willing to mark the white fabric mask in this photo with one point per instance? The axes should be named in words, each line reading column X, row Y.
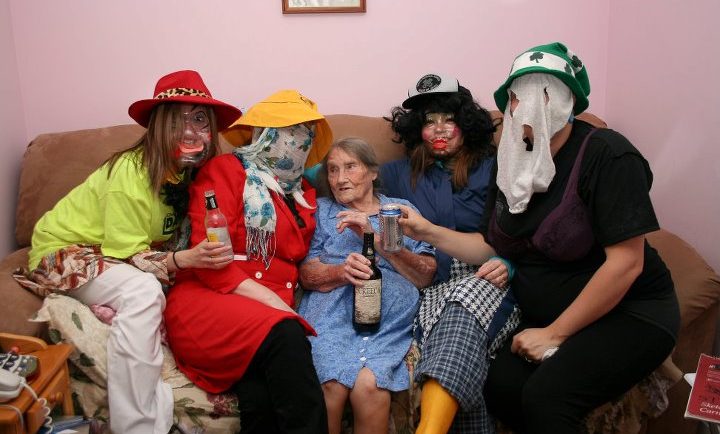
column 523, row 171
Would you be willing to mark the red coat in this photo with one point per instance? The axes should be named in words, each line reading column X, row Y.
column 213, row 332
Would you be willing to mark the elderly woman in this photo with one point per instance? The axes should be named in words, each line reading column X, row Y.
column 235, row 327
column 468, row 311
column 361, row 366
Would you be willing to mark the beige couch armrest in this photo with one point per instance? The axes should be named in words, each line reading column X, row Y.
column 17, row 305
column 696, row 284
column 698, row 290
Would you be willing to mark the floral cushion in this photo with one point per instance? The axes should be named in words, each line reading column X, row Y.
column 70, row 321
column 196, row 411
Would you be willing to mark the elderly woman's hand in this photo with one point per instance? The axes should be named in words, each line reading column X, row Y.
column 356, row 268
column 357, row 221
column 206, row 254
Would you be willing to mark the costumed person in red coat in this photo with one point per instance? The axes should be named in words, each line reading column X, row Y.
column 235, row 328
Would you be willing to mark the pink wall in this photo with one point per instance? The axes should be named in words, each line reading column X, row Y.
column 663, row 94
column 82, row 62
column 12, row 130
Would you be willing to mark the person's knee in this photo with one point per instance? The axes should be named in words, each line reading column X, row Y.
column 365, row 385
column 333, row 388
column 365, row 391
column 141, row 296
column 143, row 289
column 290, row 335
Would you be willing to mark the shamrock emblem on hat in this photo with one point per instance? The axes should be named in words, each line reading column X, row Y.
column 537, row 56
column 576, row 62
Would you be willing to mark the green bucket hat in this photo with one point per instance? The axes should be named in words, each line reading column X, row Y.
column 553, row 59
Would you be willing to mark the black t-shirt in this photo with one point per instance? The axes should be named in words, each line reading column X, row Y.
column 614, row 184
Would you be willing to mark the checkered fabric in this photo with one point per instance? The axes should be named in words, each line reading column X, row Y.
column 454, row 355
column 493, row 307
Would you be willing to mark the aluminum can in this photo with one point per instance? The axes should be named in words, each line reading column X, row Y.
column 390, row 231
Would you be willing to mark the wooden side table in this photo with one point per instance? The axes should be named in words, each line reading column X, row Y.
column 52, row 383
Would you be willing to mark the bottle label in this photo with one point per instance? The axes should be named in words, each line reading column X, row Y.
column 219, row 234
column 367, row 302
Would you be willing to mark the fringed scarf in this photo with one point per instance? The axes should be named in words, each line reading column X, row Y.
column 273, row 161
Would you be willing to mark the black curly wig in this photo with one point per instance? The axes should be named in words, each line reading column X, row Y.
column 473, row 120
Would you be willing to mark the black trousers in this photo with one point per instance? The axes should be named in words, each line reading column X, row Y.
column 597, row 364
column 280, row 392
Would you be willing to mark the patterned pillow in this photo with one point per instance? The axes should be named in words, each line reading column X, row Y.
column 70, row 321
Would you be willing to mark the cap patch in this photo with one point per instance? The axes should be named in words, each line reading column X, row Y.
column 428, row 83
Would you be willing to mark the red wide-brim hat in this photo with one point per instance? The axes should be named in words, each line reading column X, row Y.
column 183, row 87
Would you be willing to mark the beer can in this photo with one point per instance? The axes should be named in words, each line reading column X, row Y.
column 390, row 230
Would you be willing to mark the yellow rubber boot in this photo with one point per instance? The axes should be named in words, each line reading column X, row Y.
column 437, row 409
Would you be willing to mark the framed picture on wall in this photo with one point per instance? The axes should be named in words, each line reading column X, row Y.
column 322, row 6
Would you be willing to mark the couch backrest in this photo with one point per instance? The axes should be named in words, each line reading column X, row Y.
column 374, row 130
column 55, row 163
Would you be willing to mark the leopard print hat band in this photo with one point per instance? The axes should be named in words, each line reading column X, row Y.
column 180, row 91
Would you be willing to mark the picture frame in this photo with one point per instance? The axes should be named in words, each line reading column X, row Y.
column 322, row 6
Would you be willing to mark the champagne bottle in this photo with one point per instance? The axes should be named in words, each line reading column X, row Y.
column 367, row 296
column 216, row 226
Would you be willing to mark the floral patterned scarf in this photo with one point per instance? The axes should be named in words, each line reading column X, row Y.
column 273, row 161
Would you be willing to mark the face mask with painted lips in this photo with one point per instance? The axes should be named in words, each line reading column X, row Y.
column 192, row 149
column 439, row 144
column 438, row 129
column 194, row 143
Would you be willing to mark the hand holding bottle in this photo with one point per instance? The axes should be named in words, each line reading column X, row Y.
column 357, row 269
column 206, row 254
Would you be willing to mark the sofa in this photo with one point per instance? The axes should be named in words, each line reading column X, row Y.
column 54, row 163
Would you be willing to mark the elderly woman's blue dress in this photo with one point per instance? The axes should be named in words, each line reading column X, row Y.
column 339, row 351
